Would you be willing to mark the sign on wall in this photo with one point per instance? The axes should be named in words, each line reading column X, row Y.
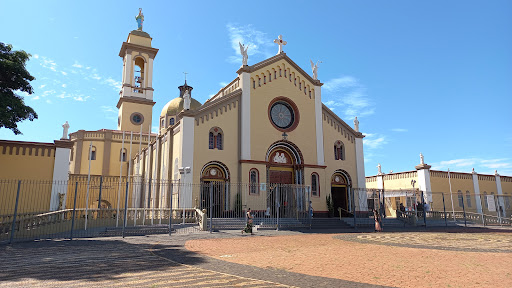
column 490, row 203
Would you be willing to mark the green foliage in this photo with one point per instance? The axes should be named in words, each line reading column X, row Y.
column 14, row 77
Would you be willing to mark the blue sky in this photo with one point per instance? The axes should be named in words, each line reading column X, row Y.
column 431, row 76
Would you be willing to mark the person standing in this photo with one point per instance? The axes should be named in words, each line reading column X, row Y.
column 376, row 218
column 248, row 227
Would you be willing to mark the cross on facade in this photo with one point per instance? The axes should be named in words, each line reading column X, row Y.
column 279, row 41
column 185, row 76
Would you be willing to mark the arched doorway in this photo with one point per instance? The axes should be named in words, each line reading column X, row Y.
column 284, row 172
column 340, row 187
column 215, row 177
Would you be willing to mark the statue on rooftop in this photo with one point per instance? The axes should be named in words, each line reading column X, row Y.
column 140, row 19
column 314, row 67
column 243, row 51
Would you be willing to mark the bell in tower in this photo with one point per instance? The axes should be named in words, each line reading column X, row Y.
column 136, row 96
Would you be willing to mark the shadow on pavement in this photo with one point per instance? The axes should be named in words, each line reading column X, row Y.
column 93, row 260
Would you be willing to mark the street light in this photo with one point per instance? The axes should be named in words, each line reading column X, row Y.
column 183, row 171
column 413, row 182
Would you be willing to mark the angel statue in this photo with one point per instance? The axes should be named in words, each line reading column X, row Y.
column 140, row 19
column 243, row 51
column 314, row 67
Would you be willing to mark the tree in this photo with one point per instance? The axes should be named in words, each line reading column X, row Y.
column 14, row 77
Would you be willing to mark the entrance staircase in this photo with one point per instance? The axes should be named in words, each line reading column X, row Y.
column 329, row 224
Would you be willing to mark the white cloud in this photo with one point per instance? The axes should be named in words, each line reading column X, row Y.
column 374, row 141
column 399, row 130
column 64, row 85
column 48, row 101
column 35, row 98
column 76, row 65
column 36, row 56
column 63, row 95
column 113, row 83
column 96, row 77
column 48, row 92
column 109, row 109
column 259, row 43
column 346, row 92
column 484, row 166
column 48, row 63
column 223, row 84
column 63, row 73
column 42, row 86
column 80, row 98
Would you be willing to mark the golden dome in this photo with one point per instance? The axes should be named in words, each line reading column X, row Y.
column 175, row 106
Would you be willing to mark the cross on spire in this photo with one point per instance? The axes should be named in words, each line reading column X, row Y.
column 185, row 76
column 279, row 41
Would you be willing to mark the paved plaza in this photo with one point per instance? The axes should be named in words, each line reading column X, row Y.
column 267, row 259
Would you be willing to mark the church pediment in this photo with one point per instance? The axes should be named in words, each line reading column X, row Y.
column 272, row 60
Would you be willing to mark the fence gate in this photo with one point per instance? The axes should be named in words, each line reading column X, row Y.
column 273, row 206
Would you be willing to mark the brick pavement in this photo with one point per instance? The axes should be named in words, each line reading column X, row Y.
column 151, row 261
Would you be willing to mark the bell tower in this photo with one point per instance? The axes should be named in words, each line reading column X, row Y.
column 136, row 96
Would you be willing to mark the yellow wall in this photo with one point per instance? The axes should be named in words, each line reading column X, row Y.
column 263, row 133
column 36, row 173
column 126, row 110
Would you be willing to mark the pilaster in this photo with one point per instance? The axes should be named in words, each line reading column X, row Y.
column 60, row 172
column 499, row 191
column 318, row 127
column 476, row 188
column 187, row 155
column 424, row 182
column 245, row 107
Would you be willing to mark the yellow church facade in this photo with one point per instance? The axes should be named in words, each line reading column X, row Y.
column 267, row 126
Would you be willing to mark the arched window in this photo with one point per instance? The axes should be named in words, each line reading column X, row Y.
column 280, row 72
column 461, row 198
column 93, row 153
column 315, row 185
column 254, row 181
column 259, row 82
column 122, row 155
column 468, row 198
column 215, row 139
column 162, row 123
column 264, row 79
column 171, row 121
column 138, row 75
column 253, row 84
column 338, row 150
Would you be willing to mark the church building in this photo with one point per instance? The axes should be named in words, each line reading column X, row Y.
column 267, row 126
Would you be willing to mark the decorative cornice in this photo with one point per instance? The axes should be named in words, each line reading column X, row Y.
column 274, row 59
column 332, row 114
column 24, row 143
column 422, row 166
column 134, row 100
column 151, row 51
column 283, row 165
column 63, row 144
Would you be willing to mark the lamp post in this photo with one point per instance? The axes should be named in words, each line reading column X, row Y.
column 413, row 182
column 184, row 171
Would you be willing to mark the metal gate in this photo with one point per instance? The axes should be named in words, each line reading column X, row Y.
column 273, row 206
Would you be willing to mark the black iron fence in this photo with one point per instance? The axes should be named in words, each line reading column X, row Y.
column 104, row 206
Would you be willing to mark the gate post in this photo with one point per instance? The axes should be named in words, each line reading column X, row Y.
column 125, row 207
column 211, row 204
column 13, row 226
column 464, row 210
column 424, row 211
column 444, row 209
column 354, row 206
column 74, row 211
column 278, row 205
